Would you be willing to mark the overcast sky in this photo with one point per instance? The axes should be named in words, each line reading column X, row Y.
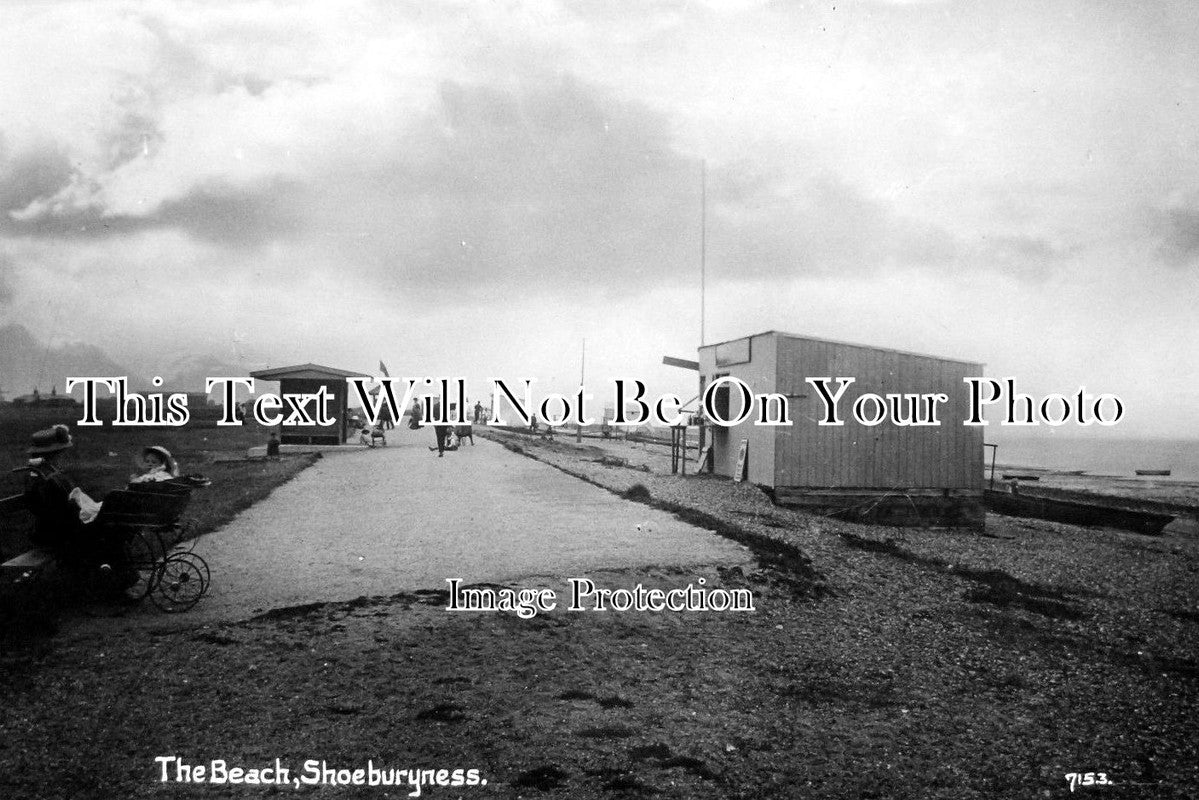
column 474, row 187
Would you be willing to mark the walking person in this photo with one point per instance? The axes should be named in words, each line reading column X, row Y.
column 441, row 432
column 464, row 431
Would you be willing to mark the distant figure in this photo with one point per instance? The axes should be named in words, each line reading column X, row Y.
column 272, row 446
column 385, row 420
column 372, row 436
column 441, row 432
column 465, row 432
column 478, row 416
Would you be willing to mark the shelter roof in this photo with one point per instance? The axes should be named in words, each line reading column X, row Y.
column 309, row 371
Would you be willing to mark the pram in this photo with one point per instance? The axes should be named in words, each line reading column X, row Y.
column 128, row 551
column 144, row 522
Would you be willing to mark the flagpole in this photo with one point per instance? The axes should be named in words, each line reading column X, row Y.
column 582, row 380
column 703, row 245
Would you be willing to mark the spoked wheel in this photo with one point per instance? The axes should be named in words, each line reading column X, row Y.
column 181, row 581
column 200, row 563
column 122, row 573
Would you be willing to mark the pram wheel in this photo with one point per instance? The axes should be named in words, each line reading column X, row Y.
column 123, row 573
column 182, row 580
column 201, row 565
column 137, row 575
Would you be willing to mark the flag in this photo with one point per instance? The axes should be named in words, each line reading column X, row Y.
column 383, row 369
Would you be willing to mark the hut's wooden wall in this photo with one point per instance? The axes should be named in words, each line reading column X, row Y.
column 948, row 456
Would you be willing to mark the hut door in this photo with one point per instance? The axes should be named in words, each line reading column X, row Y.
column 721, row 456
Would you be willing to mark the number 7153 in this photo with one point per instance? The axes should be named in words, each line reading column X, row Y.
column 1087, row 779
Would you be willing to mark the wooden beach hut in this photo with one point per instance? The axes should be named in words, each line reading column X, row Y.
column 308, row 379
column 885, row 473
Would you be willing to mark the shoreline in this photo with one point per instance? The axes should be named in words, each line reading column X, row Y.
column 1175, row 494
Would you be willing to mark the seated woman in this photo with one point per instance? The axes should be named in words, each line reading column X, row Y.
column 50, row 494
column 61, row 510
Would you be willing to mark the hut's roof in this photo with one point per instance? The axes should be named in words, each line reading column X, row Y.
column 842, row 344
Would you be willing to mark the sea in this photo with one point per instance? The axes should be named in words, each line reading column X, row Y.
column 1101, row 456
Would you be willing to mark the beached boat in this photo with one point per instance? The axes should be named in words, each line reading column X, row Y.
column 1020, row 476
column 1161, row 472
column 1103, row 512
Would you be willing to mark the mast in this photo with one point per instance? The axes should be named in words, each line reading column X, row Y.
column 582, row 380
column 703, row 245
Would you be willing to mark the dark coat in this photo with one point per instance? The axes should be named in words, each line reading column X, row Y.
column 47, row 496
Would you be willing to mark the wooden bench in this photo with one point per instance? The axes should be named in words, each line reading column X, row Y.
column 28, row 564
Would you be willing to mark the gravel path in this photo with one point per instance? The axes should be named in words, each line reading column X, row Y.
column 382, row 521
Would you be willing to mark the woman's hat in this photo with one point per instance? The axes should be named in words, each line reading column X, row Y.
column 50, row 440
column 165, row 455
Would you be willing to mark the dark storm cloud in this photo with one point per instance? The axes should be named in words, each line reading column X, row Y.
column 1178, row 232
column 238, row 216
column 214, row 212
column 766, row 227
column 563, row 186
column 554, row 185
column 6, row 273
column 31, row 175
column 560, row 185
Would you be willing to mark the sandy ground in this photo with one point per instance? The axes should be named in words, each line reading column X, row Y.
column 376, row 522
column 894, row 664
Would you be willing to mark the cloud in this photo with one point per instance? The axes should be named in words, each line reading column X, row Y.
column 1178, row 235
column 6, row 279
column 437, row 165
column 409, row 161
column 1024, row 257
column 778, row 226
column 555, row 183
column 549, row 184
column 244, row 216
column 35, row 173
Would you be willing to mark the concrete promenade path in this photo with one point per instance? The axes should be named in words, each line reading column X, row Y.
column 398, row 518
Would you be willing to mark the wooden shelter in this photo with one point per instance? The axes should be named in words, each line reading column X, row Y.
column 308, row 379
column 886, row 473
